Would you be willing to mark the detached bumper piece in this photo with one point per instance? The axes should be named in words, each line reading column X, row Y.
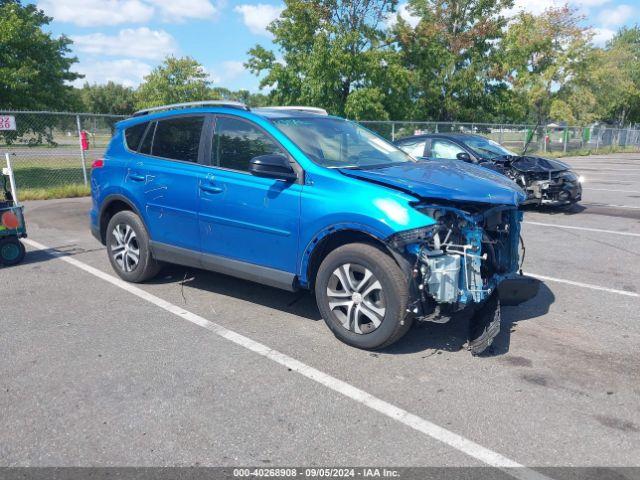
column 517, row 289
column 484, row 325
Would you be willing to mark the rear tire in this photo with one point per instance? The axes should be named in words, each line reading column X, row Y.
column 128, row 248
column 363, row 295
column 12, row 251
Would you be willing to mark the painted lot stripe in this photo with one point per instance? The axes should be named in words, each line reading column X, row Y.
column 593, row 204
column 602, row 169
column 583, row 285
column 610, row 175
column 415, row 422
column 611, row 190
column 586, row 229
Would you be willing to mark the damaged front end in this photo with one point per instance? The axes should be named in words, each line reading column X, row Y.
column 468, row 259
column 545, row 181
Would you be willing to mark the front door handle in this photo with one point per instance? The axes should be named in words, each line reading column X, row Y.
column 137, row 177
column 210, row 188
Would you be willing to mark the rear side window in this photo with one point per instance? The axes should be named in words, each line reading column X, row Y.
column 178, row 138
column 134, row 134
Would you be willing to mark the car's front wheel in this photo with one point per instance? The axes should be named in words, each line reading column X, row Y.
column 128, row 248
column 362, row 295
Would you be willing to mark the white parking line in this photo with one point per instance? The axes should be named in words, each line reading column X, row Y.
column 583, row 285
column 415, row 422
column 610, row 190
column 586, row 229
column 598, row 169
column 594, row 204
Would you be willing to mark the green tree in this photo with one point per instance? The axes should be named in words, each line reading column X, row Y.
column 453, row 57
column 244, row 96
column 35, row 67
column 109, row 98
column 326, row 51
column 614, row 78
column 176, row 80
column 543, row 56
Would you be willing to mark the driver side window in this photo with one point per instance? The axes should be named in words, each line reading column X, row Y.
column 444, row 149
column 237, row 141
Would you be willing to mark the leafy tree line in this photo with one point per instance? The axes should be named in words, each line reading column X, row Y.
column 462, row 60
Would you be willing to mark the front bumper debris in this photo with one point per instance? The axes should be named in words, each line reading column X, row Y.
column 484, row 325
column 517, row 289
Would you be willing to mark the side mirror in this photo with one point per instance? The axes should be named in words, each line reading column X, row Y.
column 272, row 166
column 464, row 156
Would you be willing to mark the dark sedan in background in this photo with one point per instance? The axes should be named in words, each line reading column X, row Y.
column 545, row 181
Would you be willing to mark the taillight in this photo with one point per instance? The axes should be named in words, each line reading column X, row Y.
column 99, row 163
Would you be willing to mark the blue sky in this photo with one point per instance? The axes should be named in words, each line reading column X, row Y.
column 122, row 40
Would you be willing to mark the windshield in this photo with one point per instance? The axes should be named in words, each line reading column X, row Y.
column 337, row 143
column 487, row 148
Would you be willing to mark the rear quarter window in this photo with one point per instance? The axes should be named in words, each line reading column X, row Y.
column 134, row 134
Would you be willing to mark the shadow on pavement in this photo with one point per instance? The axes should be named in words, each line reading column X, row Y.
column 300, row 303
column 423, row 336
column 38, row 256
column 562, row 210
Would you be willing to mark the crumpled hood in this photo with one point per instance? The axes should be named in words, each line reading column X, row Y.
column 538, row 165
column 446, row 180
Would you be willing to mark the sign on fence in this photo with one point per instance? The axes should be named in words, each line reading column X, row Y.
column 7, row 122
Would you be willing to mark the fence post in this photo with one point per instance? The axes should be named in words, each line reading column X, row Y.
column 82, row 154
column 393, row 131
column 565, row 138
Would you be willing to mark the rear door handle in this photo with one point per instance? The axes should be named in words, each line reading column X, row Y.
column 137, row 177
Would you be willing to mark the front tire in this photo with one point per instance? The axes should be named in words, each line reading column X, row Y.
column 128, row 248
column 363, row 295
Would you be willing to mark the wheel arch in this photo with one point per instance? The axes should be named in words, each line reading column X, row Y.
column 336, row 236
column 110, row 206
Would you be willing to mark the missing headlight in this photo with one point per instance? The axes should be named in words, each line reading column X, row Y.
column 416, row 235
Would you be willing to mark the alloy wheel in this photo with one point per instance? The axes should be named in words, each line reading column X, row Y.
column 124, row 247
column 356, row 298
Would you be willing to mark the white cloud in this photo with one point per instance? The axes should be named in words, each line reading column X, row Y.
column 589, row 3
column 138, row 43
column 223, row 74
column 601, row 36
column 258, row 17
column 233, row 69
column 88, row 13
column 179, row 10
column 539, row 6
column 614, row 17
column 405, row 14
column 127, row 72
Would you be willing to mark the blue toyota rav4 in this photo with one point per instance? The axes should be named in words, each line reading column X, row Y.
column 296, row 199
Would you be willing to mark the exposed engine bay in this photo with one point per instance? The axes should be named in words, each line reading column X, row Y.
column 461, row 261
column 545, row 181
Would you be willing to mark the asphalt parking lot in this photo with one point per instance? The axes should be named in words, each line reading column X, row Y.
column 93, row 373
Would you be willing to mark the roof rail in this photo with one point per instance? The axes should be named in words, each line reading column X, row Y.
column 317, row 110
column 204, row 103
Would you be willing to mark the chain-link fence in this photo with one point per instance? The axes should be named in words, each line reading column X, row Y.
column 549, row 139
column 51, row 153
